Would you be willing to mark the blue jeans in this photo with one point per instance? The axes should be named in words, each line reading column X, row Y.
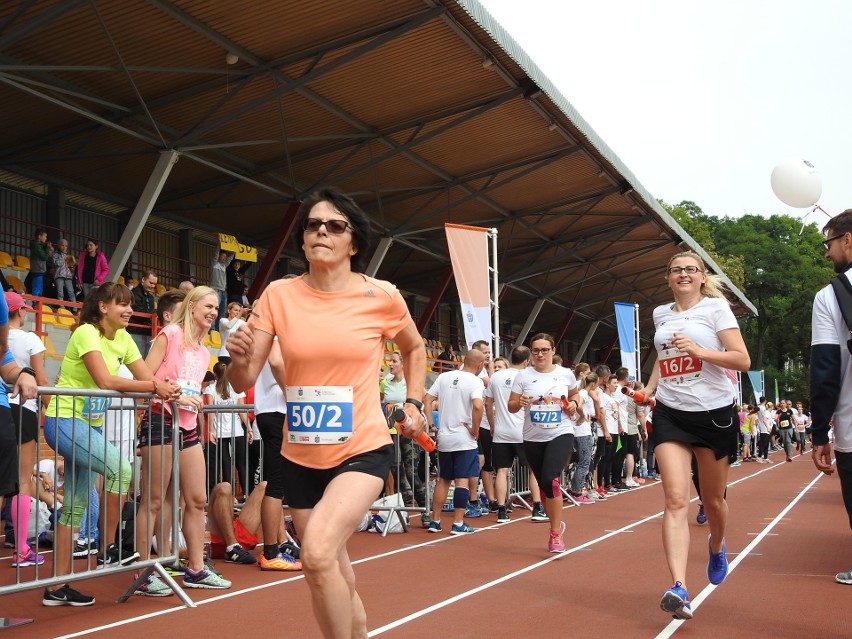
column 65, row 289
column 223, row 306
column 87, row 454
column 584, row 454
column 37, row 284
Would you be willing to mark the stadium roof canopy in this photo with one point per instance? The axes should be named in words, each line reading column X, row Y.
column 425, row 110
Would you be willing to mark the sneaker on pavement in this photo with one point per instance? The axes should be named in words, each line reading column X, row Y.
column 29, row 558
column 493, row 506
column 153, row 586
column 502, row 515
column 596, row 496
column 701, row 518
column 425, row 520
column 789, row 459
column 461, row 529
column 176, row 570
column 118, row 556
column 717, row 565
column 538, row 514
column 555, row 543
column 283, row 563
column 622, row 486
column 239, row 555
column 66, row 596
column 675, row 601
column 736, row 463
column 631, row 483
column 582, row 499
column 204, row 579
column 472, row 510
column 434, row 526
column 639, row 480
column 85, row 549
column 844, row 578
column 601, row 493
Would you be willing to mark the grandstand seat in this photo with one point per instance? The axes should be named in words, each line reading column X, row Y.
column 15, row 283
column 160, row 290
column 214, row 340
column 64, row 317
column 120, row 279
column 50, row 349
column 213, row 361
column 48, row 316
column 22, row 264
column 6, row 260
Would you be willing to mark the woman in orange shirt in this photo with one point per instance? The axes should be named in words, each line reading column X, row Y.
column 331, row 325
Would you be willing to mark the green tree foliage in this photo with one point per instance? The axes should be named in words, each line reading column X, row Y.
column 780, row 270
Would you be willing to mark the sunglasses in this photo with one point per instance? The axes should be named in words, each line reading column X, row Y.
column 335, row 227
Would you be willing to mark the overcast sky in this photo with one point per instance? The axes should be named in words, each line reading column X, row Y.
column 702, row 99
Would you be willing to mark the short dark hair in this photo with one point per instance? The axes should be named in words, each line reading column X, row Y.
column 362, row 234
column 840, row 223
column 168, row 302
column 546, row 337
column 621, row 373
column 602, row 371
column 520, row 354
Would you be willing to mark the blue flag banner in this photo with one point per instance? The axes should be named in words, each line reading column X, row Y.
column 756, row 384
column 625, row 320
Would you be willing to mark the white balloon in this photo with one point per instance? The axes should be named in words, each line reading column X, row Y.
column 796, row 183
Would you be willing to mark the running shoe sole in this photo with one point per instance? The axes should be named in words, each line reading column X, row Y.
column 673, row 604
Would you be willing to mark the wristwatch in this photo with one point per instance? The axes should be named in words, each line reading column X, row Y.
column 28, row 371
column 414, row 402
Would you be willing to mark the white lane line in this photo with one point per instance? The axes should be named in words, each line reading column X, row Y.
column 669, row 630
column 406, row 548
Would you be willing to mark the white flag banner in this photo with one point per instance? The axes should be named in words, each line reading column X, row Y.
column 469, row 255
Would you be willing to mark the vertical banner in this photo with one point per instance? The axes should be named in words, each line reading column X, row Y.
column 755, row 377
column 625, row 321
column 469, row 255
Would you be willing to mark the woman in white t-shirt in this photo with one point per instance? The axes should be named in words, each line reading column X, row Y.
column 28, row 351
column 697, row 338
column 228, row 325
column 549, row 396
column 228, row 427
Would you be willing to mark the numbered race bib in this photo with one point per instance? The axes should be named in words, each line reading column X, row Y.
column 319, row 414
column 189, row 387
column 678, row 367
column 784, row 423
column 545, row 415
column 94, row 408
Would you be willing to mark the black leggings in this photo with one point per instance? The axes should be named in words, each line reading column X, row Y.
column 763, row 445
column 605, row 462
column 547, row 459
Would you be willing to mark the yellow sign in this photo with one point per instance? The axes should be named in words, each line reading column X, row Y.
column 241, row 251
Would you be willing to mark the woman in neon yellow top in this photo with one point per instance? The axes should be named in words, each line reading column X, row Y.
column 73, row 426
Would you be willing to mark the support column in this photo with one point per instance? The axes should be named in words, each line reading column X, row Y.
column 582, row 350
column 274, row 251
column 533, row 316
column 435, row 299
column 560, row 334
column 186, row 266
column 141, row 212
column 609, row 349
column 379, row 256
column 55, row 212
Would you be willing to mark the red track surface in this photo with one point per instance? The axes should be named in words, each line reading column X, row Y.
column 501, row 582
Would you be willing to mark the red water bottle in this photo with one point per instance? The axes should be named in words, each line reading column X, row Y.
column 403, row 421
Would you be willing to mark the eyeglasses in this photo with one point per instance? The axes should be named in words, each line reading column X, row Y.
column 829, row 240
column 335, row 227
column 541, row 351
column 689, row 270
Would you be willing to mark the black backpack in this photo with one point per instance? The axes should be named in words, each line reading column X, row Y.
column 843, row 293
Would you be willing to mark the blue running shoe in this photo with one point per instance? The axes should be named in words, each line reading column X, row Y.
column 701, row 518
column 461, row 529
column 434, row 526
column 675, row 601
column 472, row 510
column 717, row 566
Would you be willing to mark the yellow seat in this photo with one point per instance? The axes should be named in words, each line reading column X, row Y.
column 50, row 349
column 160, row 290
column 120, row 279
column 64, row 317
column 21, row 263
column 213, row 361
column 6, row 260
column 48, row 316
column 214, row 339
column 15, row 283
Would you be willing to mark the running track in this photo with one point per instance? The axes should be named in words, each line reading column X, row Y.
column 788, row 535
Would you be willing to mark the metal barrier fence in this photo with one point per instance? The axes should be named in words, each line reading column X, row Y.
column 100, row 473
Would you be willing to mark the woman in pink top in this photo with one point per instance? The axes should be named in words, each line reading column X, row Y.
column 92, row 267
column 178, row 353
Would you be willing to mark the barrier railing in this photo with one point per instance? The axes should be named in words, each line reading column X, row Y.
column 98, row 462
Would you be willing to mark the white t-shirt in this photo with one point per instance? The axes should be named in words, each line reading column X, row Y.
column 584, row 428
column 764, row 420
column 226, row 424
column 800, row 420
column 828, row 327
column 544, row 418
column 120, row 421
column 611, row 411
column 687, row 383
column 622, row 400
column 47, row 467
column 509, row 428
column 226, row 327
column 268, row 396
column 23, row 346
column 456, row 391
